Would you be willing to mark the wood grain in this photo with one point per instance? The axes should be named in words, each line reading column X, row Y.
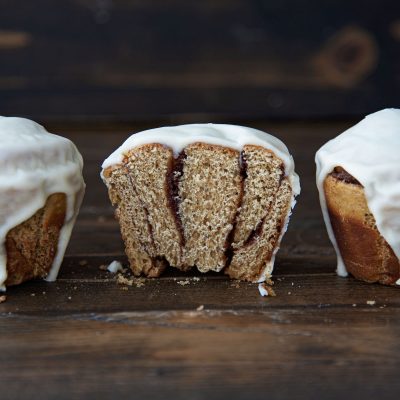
column 215, row 355
column 86, row 336
column 101, row 59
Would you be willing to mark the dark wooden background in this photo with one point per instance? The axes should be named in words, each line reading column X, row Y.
column 142, row 60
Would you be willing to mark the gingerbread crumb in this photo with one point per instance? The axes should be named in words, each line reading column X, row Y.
column 3, row 299
column 83, row 263
column 121, row 280
column 183, row 283
column 103, row 267
column 138, row 282
column 271, row 291
column 235, row 284
column 200, row 308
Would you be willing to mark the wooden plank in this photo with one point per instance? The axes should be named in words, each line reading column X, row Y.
column 321, row 354
column 86, row 289
column 144, row 60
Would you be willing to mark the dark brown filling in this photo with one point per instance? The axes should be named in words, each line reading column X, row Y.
column 173, row 178
column 243, row 166
column 255, row 233
column 229, row 238
column 342, row 175
column 282, row 177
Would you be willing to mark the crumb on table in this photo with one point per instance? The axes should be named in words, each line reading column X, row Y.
column 138, row 282
column 236, row 284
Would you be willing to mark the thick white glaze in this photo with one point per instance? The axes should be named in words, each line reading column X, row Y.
column 114, row 267
column 232, row 136
column 262, row 290
column 369, row 151
column 33, row 165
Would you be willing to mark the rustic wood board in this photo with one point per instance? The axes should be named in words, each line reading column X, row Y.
column 86, row 336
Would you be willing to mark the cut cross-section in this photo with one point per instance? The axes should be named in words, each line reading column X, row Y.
column 210, row 191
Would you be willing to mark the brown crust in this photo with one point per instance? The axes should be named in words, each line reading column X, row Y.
column 159, row 264
column 32, row 245
column 365, row 252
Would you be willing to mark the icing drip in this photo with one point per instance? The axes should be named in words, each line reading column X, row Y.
column 232, row 136
column 33, row 165
column 369, row 151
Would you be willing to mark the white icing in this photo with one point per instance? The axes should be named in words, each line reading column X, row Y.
column 232, row 136
column 262, row 290
column 369, row 151
column 114, row 267
column 33, row 165
column 398, row 282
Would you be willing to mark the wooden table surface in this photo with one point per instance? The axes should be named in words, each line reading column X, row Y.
column 86, row 336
